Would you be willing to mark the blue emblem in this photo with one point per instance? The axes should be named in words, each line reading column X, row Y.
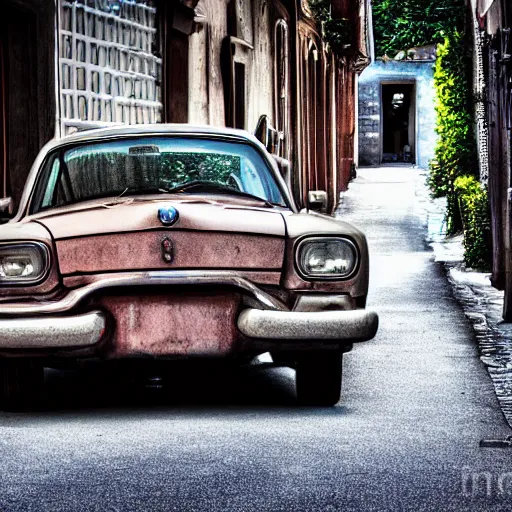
column 168, row 215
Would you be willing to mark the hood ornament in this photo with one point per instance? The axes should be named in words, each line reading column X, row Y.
column 168, row 215
column 167, row 250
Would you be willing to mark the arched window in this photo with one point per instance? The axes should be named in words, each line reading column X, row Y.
column 281, row 85
column 311, row 112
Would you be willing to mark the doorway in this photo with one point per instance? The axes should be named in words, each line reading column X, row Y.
column 27, row 88
column 398, row 123
column 19, row 98
column 3, row 117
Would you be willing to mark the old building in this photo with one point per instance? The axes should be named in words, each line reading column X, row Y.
column 493, row 87
column 239, row 63
column 397, row 111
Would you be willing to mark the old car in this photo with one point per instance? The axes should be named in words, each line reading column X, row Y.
column 169, row 241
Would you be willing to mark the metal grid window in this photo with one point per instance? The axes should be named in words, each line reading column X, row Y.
column 109, row 72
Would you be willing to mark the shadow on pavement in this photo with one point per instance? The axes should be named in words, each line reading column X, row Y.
column 183, row 388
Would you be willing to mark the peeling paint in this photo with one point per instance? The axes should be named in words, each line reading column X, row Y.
column 177, row 324
column 131, row 251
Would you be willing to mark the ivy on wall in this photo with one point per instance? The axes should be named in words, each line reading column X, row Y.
column 455, row 150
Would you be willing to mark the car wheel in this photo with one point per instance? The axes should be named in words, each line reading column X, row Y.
column 318, row 380
column 21, row 382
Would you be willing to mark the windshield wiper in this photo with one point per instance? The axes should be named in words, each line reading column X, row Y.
column 142, row 191
column 208, row 185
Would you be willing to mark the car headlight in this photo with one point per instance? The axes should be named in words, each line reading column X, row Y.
column 328, row 258
column 23, row 263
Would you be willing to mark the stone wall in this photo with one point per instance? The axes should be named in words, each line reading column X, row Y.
column 369, row 123
column 419, row 72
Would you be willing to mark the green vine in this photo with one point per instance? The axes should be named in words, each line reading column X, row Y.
column 455, row 149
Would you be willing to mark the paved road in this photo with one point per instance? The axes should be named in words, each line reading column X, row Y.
column 417, row 401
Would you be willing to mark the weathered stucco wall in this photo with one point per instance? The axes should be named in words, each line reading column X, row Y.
column 262, row 80
column 370, row 129
column 206, row 89
column 206, row 97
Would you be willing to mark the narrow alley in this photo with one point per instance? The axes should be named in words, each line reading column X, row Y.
column 405, row 436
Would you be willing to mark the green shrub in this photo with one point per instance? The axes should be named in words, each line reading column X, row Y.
column 474, row 208
column 455, row 153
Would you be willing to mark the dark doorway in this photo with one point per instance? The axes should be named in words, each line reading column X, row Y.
column 177, row 75
column 3, row 118
column 398, row 118
column 27, row 88
column 20, row 141
column 239, row 91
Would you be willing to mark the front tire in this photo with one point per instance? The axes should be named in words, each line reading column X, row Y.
column 318, row 380
column 20, row 384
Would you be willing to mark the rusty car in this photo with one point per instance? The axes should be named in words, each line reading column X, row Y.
column 163, row 241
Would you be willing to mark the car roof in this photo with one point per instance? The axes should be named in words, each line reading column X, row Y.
column 154, row 129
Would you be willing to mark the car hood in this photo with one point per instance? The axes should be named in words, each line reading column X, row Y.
column 126, row 234
column 132, row 214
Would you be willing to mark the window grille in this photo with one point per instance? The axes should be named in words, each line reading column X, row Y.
column 109, row 70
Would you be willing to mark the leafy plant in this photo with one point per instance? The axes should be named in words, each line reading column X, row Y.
column 474, row 208
column 400, row 25
column 455, row 149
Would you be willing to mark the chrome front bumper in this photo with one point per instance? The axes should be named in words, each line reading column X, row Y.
column 343, row 326
column 31, row 325
column 52, row 332
column 86, row 330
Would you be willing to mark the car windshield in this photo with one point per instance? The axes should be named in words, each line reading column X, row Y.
column 149, row 165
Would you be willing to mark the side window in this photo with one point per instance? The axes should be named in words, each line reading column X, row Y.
column 52, row 180
column 251, row 180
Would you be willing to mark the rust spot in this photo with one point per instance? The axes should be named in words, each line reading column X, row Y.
column 143, row 250
column 164, row 325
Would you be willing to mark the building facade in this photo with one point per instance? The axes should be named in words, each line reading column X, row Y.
column 492, row 20
column 257, row 65
column 397, row 112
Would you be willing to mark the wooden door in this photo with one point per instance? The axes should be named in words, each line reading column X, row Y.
column 3, row 117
